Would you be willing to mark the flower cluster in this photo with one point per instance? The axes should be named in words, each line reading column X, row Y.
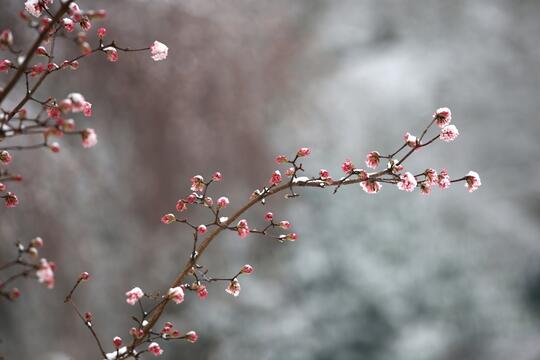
column 51, row 118
column 27, row 264
column 196, row 277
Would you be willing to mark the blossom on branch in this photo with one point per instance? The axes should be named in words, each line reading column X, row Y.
column 159, row 51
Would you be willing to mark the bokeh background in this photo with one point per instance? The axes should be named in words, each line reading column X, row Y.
column 393, row 276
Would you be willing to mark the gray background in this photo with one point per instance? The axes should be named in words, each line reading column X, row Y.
column 393, row 276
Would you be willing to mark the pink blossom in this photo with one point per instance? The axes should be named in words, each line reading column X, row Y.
column 77, row 101
column 89, row 138
column 54, row 112
column 117, row 341
column 167, row 328
column 243, row 228
column 472, row 181
column 407, row 183
column 324, row 174
column 246, row 269
column 362, row 174
column 37, row 242
column 289, row 172
column 33, row 7
column 192, row 336
column 87, row 109
column 85, row 23
column 5, row 65
column 41, row 51
column 372, row 159
column 217, row 176
column 84, row 276
column 88, row 316
column 3, row 187
column 45, row 273
column 5, row 157
column 6, row 38
column 112, row 53
column 176, row 294
column 197, row 183
column 202, row 229
column 155, row 349
column 52, row 67
column 202, row 292
column 425, row 187
column 133, row 295
column 168, row 218
column 442, row 116
column 101, row 32
column 37, row 69
column 410, row 139
column 159, row 51
column 347, row 166
column 371, row 186
column 443, row 179
column 73, row 8
column 181, row 205
column 285, row 225
column 191, row 198
column 68, row 24
column 65, row 105
column 234, row 287
column 276, row 178
column 280, row 159
column 431, row 176
column 223, row 202
column 14, row 294
column 449, row 133
column 305, row 151
column 11, row 200
column 291, row 237
column 268, row 216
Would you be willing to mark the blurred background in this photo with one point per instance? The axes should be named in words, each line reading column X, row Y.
column 393, row 276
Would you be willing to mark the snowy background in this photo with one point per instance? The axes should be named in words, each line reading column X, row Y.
column 393, row 276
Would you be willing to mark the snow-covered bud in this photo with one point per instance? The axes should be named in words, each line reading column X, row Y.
column 268, row 216
column 168, row 218
column 246, row 269
column 155, row 349
column 117, row 342
column 176, row 294
column 275, row 178
column 5, row 157
column 36, row 242
column 192, row 336
column 305, row 151
column 223, row 202
column 84, row 276
column 133, row 295
column 112, row 53
column 201, row 229
column 6, row 38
